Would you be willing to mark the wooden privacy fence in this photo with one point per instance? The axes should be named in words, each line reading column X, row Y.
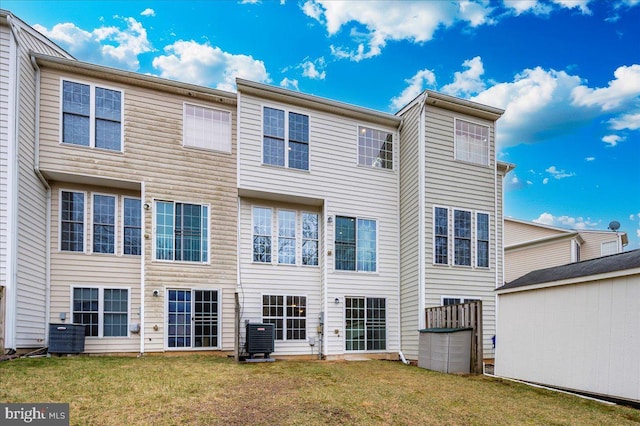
column 461, row 315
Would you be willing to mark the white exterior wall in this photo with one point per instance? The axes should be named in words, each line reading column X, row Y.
column 342, row 187
column 5, row 40
column 465, row 186
column 581, row 336
column 410, row 232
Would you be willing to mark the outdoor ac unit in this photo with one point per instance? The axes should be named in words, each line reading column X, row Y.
column 66, row 338
column 260, row 339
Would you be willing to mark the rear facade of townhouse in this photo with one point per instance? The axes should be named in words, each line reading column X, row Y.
column 173, row 214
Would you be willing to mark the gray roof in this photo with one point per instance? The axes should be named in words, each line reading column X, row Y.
column 601, row 265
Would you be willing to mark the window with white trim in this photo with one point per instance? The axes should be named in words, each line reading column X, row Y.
column 608, row 248
column 287, row 237
column 289, row 319
column 207, row 128
column 356, row 244
column 471, row 142
column 482, row 240
column 262, row 234
column 182, row 232
column 462, row 237
column 310, row 239
column 91, row 116
column 441, row 235
column 72, row 221
column 132, row 226
column 285, row 139
column 366, row 324
column 104, row 223
column 375, row 148
column 103, row 311
column 449, row 300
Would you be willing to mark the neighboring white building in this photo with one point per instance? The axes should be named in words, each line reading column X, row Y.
column 574, row 327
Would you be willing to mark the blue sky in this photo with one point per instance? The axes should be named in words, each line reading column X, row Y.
column 567, row 72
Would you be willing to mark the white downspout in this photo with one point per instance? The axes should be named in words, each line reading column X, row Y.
column 12, row 192
column 43, row 180
column 421, row 215
column 143, row 259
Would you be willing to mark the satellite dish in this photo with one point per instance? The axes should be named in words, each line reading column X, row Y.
column 614, row 225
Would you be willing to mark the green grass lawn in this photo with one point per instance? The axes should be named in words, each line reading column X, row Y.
column 208, row 390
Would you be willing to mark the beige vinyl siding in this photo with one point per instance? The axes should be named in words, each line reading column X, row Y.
column 409, row 232
column 258, row 279
column 465, row 186
column 592, row 246
column 155, row 158
column 517, row 232
column 527, row 259
column 347, row 190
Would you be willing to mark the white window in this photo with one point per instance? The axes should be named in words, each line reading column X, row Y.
column 132, row 226
column 441, row 235
column 72, row 212
column 310, row 239
column 453, row 300
column 375, row 148
column 287, row 237
column 207, row 128
column 91, row 116
column 609, row 247
column 482, row 240
column 471, row 142
column 366, row 324
column 104, row 223
column 182, row 232
column 103, row 311
column 262, row 234
column 285, row 139
column 289, row 319
column 356, row 244
column 462, row 237
column 193, row 318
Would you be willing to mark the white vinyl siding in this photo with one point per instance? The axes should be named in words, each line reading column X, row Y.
column 337, row 186
column 207, row 128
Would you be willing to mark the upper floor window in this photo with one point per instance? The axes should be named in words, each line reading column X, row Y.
column 182, row 231
column 441, row 235
column 91, row 116
column 472, row 142
column 207, row 128
column 261, row 235
column 104, row 224
column 482, row 240
column 608, row 248
column 131, row 227
column 72, row 221
column 462, row 237
column 375, row 148
column 356, row 244
column 310, row 239
column 285, row 139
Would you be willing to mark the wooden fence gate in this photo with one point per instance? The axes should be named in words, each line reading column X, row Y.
column 461, row 315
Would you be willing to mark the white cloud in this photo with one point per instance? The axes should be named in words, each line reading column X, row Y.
column 559, row 174
column 416, row 84
column 148, row 12
column 208, row 66
column 624, row 88
column 538, row 7
column 383, row 21
column 111, row 46
column 314, row 70
column 566, row 221
column 468, row 82
column 612, row 140
column 515, row 180
column 634, row 216
column 534, row 96
column 638, row 232
column 545, row 181
column 589, row 159
column 289, row 84
column 629, row 121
